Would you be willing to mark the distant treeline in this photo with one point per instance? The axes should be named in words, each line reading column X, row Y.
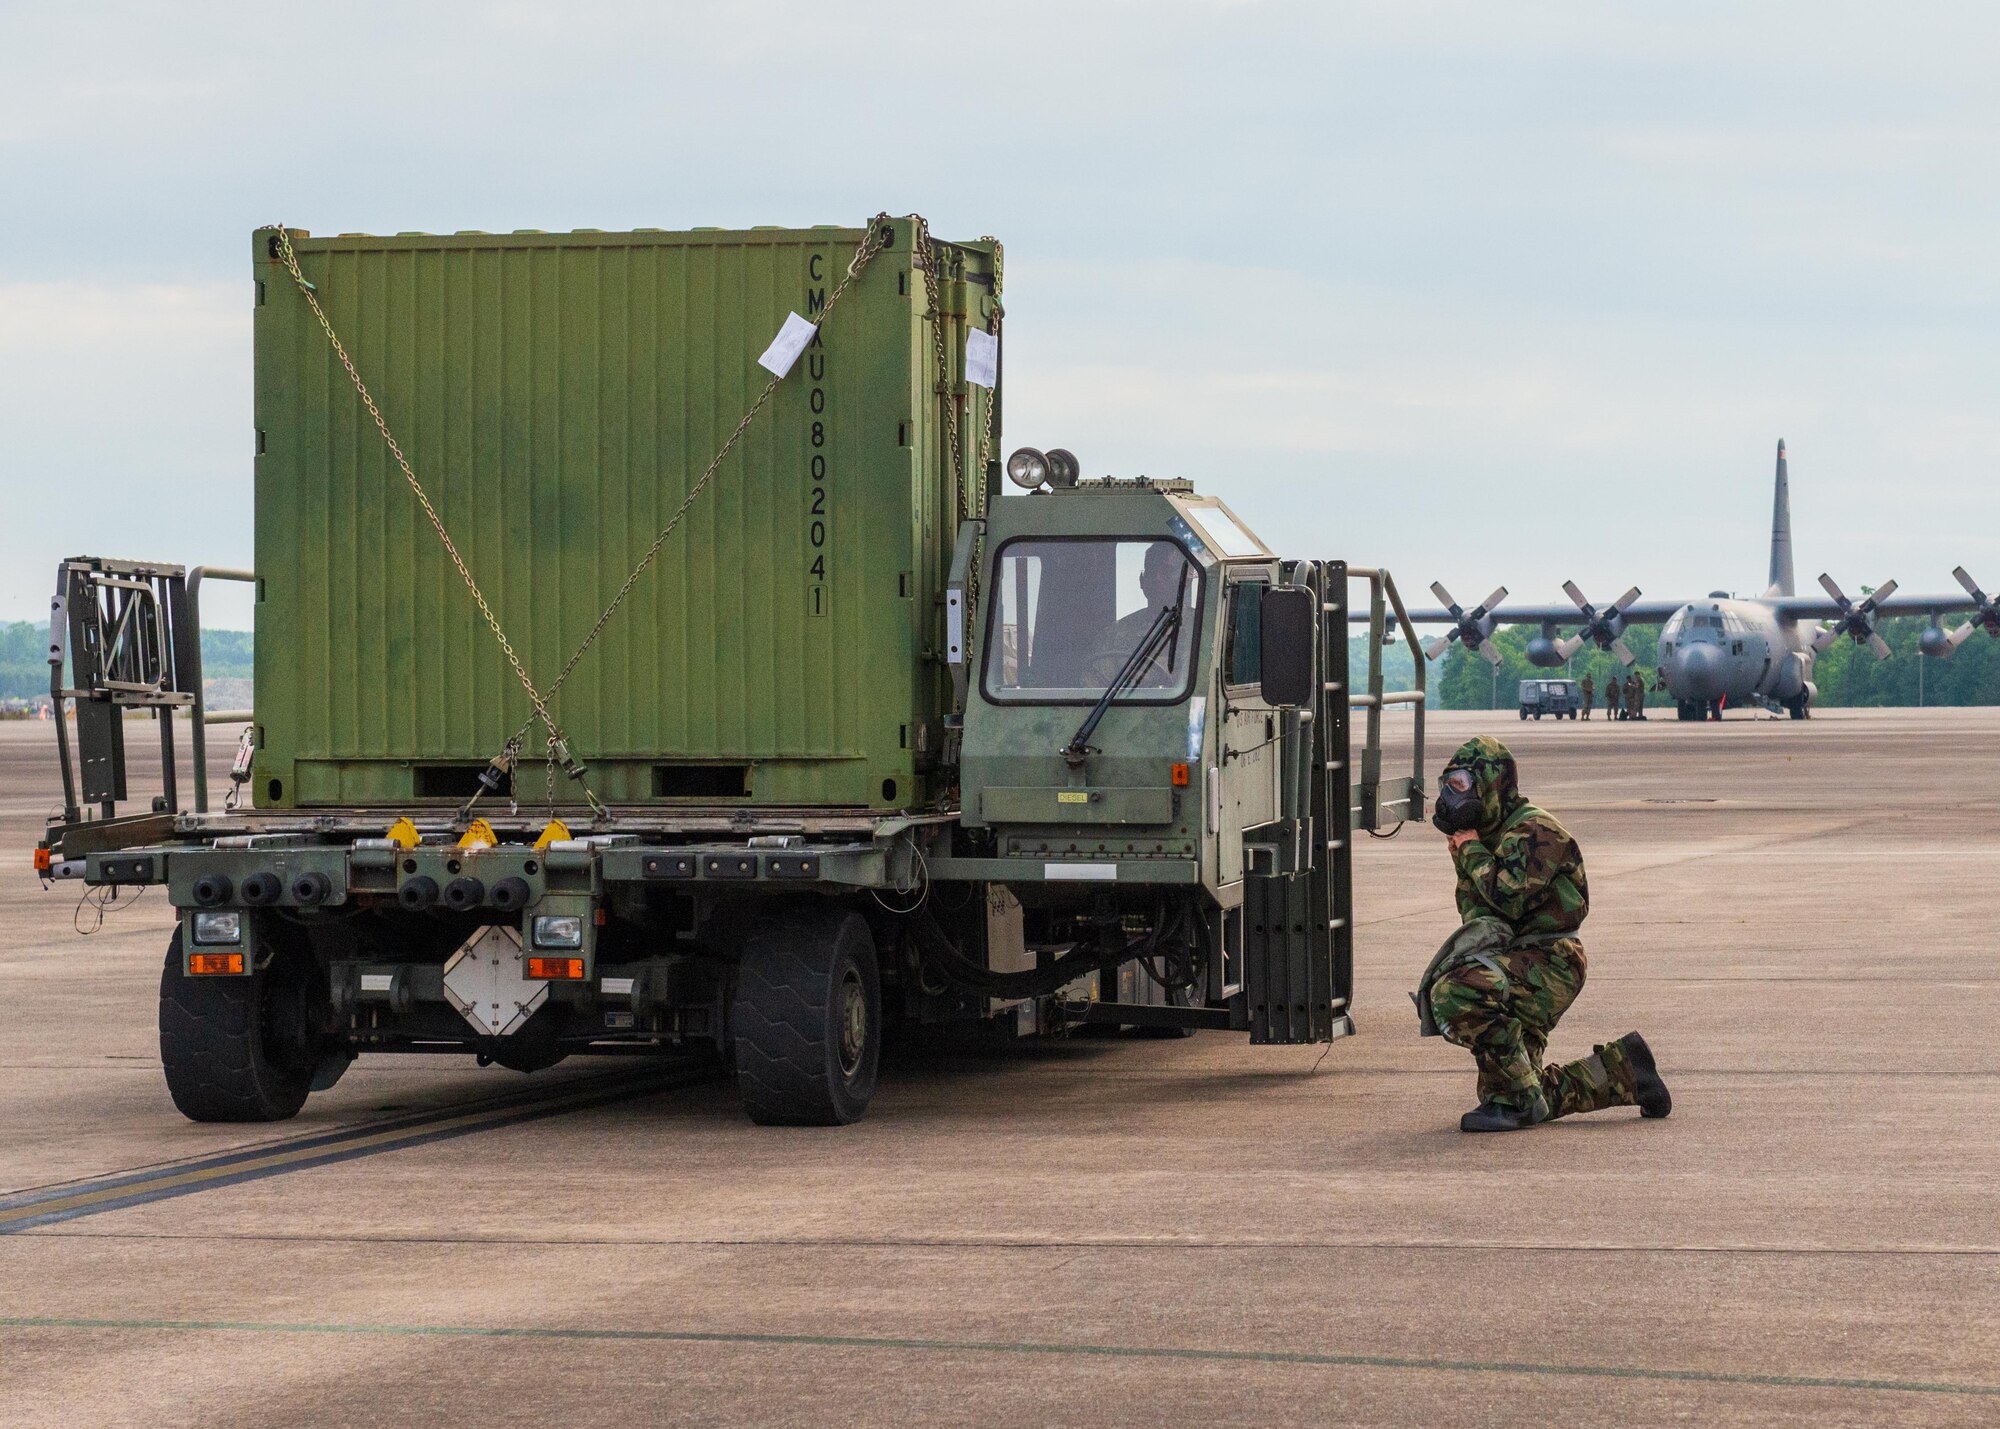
column 1847, row 675
column 24, row 661
column 225, row 654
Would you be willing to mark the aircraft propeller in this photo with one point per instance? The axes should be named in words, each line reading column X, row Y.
column 1988, row 613
column 1857, row 621
column 1605, row 628
column 1472, row 626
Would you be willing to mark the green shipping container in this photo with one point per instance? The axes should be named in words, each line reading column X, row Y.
column 558, row 395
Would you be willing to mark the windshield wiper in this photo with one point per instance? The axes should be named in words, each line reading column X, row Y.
column 1164, row 626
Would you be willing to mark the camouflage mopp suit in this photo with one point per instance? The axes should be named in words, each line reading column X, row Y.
column 1502, row 982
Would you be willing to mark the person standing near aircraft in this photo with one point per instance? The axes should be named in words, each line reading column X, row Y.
column 1500, row 984
column 1588, row 689
column 1635, row 696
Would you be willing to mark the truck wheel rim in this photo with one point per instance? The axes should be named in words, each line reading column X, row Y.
column 853, row 1007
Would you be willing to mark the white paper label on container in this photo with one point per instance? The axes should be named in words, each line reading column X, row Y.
column 1082, row 872
column 982, row 358
column 792, row 339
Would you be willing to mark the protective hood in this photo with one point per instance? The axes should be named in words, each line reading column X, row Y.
column 1493, row 780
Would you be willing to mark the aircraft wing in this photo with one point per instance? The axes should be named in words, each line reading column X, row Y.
column 1639, row 612
column 1657, row 612
column 1818, row 607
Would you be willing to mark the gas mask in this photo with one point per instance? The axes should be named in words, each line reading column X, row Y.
column 1457, row 810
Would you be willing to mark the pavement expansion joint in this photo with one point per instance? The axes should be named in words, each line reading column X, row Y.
column 1033, row 1243
column 1033, row 1348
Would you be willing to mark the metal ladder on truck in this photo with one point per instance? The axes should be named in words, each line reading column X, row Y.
column 1298, row 908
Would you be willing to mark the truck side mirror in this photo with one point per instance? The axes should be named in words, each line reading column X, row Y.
column 1290, row 628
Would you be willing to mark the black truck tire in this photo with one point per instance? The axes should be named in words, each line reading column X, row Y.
column 238, row 1048
column 806, row 1018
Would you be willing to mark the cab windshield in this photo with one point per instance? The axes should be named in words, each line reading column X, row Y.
column 1066, row 616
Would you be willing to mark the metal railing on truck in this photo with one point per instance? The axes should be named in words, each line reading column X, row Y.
column 203, row 716
column 1375, row 803
column 126, row 635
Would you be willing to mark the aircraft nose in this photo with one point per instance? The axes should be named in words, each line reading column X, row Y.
column 1697, row 673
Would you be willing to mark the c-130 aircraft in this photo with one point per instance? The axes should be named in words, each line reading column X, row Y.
column 1724, row 649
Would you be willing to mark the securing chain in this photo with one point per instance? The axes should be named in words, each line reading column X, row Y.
column 927, row 259
column 557, row 740
column 985, row 436
column 972, row 486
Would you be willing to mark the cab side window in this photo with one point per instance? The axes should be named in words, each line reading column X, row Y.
column 1246, row 634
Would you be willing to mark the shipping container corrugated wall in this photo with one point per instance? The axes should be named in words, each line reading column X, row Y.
column 558, row 395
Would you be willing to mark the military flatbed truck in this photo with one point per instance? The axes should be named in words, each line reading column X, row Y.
column 853, row 740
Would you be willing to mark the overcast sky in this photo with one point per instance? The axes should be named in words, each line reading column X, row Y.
column 1486, row 292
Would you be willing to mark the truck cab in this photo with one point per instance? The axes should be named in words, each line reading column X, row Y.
column 1182, row 759
column 1155, row 721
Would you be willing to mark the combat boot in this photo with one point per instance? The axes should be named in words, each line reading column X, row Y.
column 1650, row 1092
column 1491, row 1116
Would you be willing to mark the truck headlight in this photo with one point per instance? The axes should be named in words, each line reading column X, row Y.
column 560, row 930
column 218, row 927
column 1027, row 468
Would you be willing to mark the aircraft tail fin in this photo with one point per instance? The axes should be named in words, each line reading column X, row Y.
column 1781, row 531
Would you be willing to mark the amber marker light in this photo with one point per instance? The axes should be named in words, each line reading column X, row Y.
column 555, row 969
column 211, row 964
column 1180, row 776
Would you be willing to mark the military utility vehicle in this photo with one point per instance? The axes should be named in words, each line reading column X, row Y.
column 1560, row 698
column 619, row 689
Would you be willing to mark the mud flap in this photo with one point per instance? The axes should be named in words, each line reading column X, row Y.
column 332, row 1067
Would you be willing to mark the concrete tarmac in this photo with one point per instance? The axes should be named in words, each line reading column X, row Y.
column 1798, row 915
